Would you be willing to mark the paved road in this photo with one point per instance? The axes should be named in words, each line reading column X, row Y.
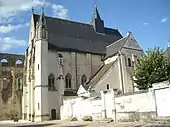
column 76, row 124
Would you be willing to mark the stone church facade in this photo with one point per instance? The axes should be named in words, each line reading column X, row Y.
column 61, row 56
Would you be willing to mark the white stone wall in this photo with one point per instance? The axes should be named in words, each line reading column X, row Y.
column 142, row 102
column 135, row 106
column 130, row 107
column 74, row 108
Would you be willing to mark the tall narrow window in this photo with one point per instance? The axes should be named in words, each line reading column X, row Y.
column 108, row 87
column 38, row 66
column 83, row 79
column 51, row 82
column 68, row 80
column 19, row 83
column 38, row 106
column 60, row 59
column 129, row 62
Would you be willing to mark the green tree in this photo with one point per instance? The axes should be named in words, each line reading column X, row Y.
column 152, row 67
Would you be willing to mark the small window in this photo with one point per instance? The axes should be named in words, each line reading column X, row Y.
column 51, row 82
column 129, row 62
column 60, row 59
column 20, row 83
column 60, row 55
column 68, row 81
column 108, row 87
column 38, row 66
column 38, row 106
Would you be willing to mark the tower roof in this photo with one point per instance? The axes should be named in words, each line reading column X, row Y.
column 96, row 14
column 42, row 17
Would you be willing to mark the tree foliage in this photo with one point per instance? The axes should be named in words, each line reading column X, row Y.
column 152, row 67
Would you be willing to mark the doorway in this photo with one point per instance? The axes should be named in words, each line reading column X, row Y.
column 53, row 114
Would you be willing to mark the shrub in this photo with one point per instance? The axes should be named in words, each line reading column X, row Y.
column 87, row 118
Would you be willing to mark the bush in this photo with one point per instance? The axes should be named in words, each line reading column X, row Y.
column 73, row 119
column 87, row 118
column 15, row 118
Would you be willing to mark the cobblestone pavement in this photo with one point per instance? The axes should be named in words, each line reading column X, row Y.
column 76, row 124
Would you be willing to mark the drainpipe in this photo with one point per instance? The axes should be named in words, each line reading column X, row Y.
column 121, row 70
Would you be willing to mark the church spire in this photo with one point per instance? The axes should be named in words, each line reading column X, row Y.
column 97, row 22
column 42, row 26
column 42, row 20
column 96, row 14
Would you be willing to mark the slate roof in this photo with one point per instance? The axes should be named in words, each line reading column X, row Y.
column 116, row 46
column 96, row 77
column 70, row 35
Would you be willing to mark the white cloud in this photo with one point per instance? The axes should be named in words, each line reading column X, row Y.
column 8, row 28
column 10, row 8
column 7, row 43
column 59, row 11
column 146, row 23
column 164, row 19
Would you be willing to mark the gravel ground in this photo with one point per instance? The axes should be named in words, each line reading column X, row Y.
column 76, row 124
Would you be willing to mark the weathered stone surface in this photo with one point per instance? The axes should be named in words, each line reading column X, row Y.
column 11, row 68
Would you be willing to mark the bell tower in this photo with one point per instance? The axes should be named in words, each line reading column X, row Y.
column 41, row 107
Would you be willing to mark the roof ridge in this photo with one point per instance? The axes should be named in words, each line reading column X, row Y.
column 116, row 42
column 67, row 20
column 127, row 37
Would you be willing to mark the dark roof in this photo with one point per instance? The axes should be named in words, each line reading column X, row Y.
column 115, row 47
column 96, row 77
column 96, row 13
column 70, row 35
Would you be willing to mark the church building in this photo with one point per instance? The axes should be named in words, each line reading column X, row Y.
column 116, row 73
column 61, row 56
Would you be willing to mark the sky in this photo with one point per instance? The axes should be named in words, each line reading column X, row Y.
column 148, row 20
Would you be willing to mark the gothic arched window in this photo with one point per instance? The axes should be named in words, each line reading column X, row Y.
column 51, row 82
column 83, row 79
column 129, row 62
column 20, row 83
column 68, row 80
